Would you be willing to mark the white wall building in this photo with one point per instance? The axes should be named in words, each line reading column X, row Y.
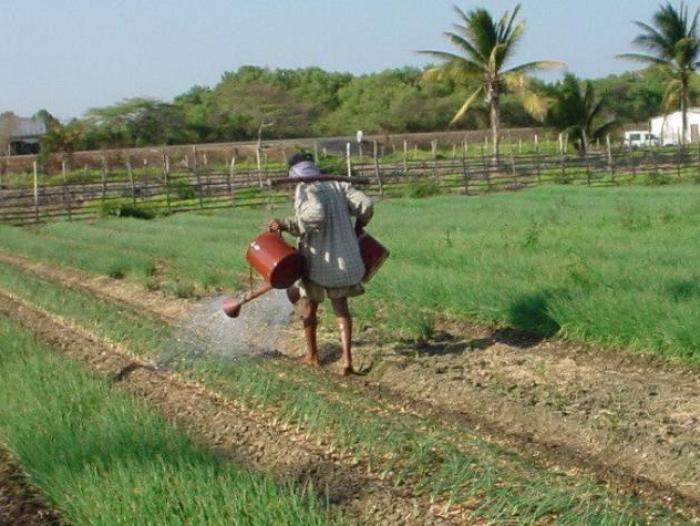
column 668, row 129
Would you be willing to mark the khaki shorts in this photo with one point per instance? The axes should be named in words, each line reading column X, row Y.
column 317, row 293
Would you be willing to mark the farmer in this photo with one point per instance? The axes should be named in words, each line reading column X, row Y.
column 328, row 242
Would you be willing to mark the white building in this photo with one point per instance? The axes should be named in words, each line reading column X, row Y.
column 669, row 128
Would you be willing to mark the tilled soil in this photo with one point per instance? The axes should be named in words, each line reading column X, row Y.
column 252, row 440
column 20, row 505
column 630, row 420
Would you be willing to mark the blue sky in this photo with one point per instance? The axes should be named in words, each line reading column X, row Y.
column 70, row 55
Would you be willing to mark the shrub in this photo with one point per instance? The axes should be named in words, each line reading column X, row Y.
column 421, row 189
column 657, row 179
column 182, row 189
column 125, row 208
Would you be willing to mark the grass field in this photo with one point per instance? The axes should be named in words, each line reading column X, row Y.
column 614, row 266
column 100, row 457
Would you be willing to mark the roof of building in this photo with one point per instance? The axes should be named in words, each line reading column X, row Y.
column 28, row 127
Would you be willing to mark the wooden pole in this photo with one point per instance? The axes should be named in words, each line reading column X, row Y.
column 315, row 151
column 66, row 190
column 487, row 174
column 562, row 158
column 679, row 161
column 195, row 169
column 611, row 162
column 36, row 191
column 512, row 162
column 537, row 159
column 405, row 157
column 349, row 161
column 434, row 145
column 166, row 178
column 130, row 171
column 103, row 175
column 377, row 171
column 231, row 171
column 465, row 169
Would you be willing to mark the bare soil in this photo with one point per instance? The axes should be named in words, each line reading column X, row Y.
column 20, row 504
column 250, row 439
column 630, row 420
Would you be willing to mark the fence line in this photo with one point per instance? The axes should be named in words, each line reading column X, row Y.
column 127, row 189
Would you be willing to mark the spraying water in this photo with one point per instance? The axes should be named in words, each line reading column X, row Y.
column 211, row 335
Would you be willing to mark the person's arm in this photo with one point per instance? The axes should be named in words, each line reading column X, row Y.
column 309, row 213
column 361, row 206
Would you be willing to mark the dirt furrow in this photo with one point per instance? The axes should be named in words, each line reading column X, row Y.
column 20, row 503
column 250, row 439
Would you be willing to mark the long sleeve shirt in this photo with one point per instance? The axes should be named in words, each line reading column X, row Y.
column 323, row 221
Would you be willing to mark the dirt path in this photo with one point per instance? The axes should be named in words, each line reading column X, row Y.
column 249, row 438
column 630, row 420
column 20, row 505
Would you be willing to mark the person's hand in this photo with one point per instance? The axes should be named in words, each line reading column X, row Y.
column 359, row 227
column 275, row 225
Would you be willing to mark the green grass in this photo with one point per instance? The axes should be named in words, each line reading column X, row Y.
column 606, row 265
column 102, row 458
column 452, row 463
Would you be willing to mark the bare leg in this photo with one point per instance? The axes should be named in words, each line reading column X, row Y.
column 344, row 321
column 308, row 309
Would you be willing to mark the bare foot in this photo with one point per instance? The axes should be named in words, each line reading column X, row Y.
column 311, row 360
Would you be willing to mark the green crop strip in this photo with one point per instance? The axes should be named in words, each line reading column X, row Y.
column 452, row 463
column 102, row 458
column 609, row 265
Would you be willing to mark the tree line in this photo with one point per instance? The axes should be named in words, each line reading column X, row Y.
column 475, row 85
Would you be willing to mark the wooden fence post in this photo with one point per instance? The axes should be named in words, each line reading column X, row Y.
column 678, row 164
column 349, row 161
column 465, row 170
column 66, row 190
column 405, row 157
column 562, row 157
column 36, row 191
column 487, row 174
column 166, row 178
column 315, row 151
column 512, row 162
column 611, row 161
column 231, row 171
column 537, row 159
column 103, row 176
column 130, row 171
column 377, row 171
column 433, row 147
column 195, row 169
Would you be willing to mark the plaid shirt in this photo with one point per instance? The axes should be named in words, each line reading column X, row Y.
column 323, row 221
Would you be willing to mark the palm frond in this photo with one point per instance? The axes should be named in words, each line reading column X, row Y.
column 465, row 107
column 536, row 65
column 646, row 59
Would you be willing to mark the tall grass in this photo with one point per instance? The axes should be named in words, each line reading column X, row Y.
column 615, row 266
column 102, row 458
column 450, row 463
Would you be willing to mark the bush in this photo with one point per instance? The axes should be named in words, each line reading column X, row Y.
column 125, row 208
column 421, row 189
column 657, row 179
column 182, row 189
column 563, row 178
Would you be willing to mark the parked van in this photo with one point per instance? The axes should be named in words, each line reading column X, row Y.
column 637, row 139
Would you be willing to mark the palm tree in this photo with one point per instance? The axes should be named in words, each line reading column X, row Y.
column 485, row 46
column 580, row 113
column 672, row 42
